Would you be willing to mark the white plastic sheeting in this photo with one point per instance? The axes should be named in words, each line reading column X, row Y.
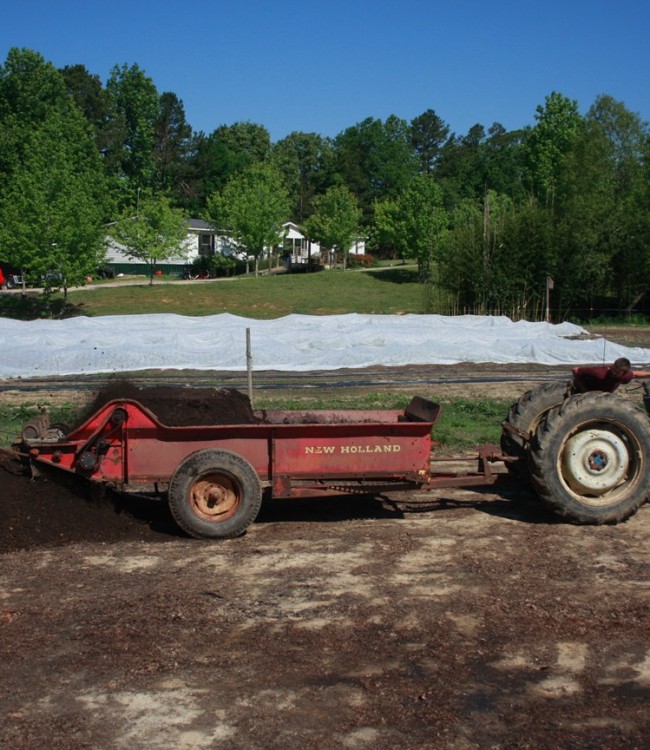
column 296, row 342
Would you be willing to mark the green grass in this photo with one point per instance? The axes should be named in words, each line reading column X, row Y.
column 388, row 291
column 13, row 418
column 466, row 423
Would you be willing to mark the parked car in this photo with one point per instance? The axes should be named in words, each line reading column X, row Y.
column 105, row 272
column 11, row 276
column 52, row 278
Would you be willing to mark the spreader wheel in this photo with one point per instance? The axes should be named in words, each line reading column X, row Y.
column 214, row 494
column 590, row 459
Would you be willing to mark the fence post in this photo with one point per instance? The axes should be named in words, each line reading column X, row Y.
column 249, row 365
column 549, row 285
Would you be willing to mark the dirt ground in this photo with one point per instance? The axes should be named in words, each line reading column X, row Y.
column 472, row 619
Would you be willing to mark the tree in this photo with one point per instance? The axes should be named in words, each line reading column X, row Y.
column 550, row 141
column 154, row 234
column 210, row 165
column 414, row 222
column 375, row 160
column 248, row 139
column 88, row 94
column 253, row 206
column 173, row 137
column 132, row 114
column 502, row 161
column 305, row 161
column 602, row 208
column 53, row 196
column 460, row 168
column 53, row 207
column 30, row 89
column 497, row 255
column 335, row 220
column 428, row 133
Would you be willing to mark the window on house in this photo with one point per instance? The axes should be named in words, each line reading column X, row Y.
column 205, row 244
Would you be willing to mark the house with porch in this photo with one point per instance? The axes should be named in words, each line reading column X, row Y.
column 203, row 240
column 296, row 248
column 299, row 250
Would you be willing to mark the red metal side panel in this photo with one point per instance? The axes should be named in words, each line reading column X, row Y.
column 152, row 459
column 365, row 450
column 129, row 445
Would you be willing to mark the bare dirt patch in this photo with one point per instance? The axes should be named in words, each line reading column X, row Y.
column 475, row 622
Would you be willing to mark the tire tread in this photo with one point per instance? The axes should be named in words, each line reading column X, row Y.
column 559, row 421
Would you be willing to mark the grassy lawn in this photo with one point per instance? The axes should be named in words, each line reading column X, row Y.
column 384, row 291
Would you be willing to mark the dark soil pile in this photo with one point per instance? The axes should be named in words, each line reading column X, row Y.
column 49, row 511
column 180, row 407
column 56, row 508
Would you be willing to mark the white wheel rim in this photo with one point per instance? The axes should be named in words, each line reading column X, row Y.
column 595, row 462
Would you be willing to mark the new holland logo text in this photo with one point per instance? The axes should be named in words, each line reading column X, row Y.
column 331, row 449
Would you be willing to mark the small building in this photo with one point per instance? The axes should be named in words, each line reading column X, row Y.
column 202, row 240
column 297, row 249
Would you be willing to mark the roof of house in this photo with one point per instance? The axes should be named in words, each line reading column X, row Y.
column 200, row 224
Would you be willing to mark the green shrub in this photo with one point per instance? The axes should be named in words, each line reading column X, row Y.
column 361, row 261
column 214, row 266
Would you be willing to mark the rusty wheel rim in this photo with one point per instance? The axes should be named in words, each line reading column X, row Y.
column 214, row 498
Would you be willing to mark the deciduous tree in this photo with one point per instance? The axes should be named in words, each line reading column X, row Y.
column 154, row 233
column 414, row 222
column 247, row 139
column 375, row 160
column 53, row 204
column 549, row 143
column 30, row 89
column 132, row 114
column 335, row 221
column 252, row 207
column 305, row 161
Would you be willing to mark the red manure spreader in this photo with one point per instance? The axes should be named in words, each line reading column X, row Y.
column 587, row 458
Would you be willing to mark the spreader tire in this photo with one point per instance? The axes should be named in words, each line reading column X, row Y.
column 590, row 459
column 526, row 415
column 214, row 494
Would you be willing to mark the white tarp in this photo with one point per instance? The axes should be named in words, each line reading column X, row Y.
column 296, row 342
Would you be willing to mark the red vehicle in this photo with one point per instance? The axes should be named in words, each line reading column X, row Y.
column 214, row 475
column 9, row 277
column 587, row 458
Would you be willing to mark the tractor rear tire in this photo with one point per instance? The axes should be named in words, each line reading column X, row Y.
column 526, row 415
column 590, row 459
column 214, row 494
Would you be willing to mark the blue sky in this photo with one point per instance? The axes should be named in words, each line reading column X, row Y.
column 324, row 66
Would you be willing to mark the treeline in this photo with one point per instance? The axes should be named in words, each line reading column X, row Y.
column 488, row 215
